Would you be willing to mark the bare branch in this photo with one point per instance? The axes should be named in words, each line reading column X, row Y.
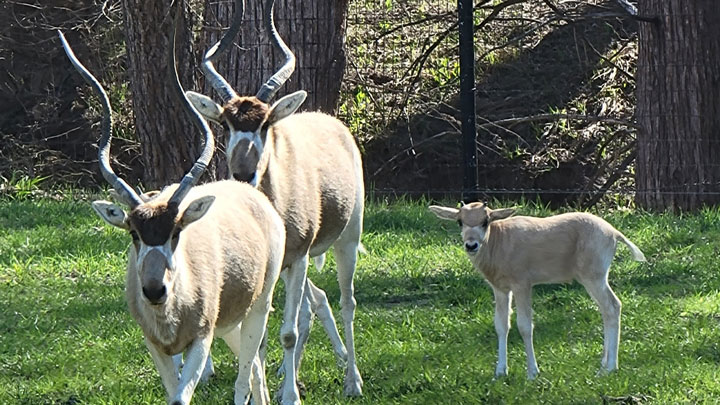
column 612, row 179
column 550, row 117
column 609, row 62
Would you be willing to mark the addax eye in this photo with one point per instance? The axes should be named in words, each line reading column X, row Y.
column 176, row 234
column 459, row 222
column 485, row 223
column 134, row 236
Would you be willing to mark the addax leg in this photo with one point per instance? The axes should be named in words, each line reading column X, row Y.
column 610, row 308
column 244, row 341
column 197, row 355
column 294, row 289
column 169, row 371
column 321, row 307
column 346, row 256
column 208, row 372
column 305, row 322
column 502, row 327
column 523, row 302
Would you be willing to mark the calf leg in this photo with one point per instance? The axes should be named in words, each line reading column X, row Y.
column 502, row 327
column 610, row 308
column 523, row 302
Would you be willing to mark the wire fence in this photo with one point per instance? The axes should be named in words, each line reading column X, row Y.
column 554, row 85
column 554, row 94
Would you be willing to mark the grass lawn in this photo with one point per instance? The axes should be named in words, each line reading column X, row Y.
column 424, row 323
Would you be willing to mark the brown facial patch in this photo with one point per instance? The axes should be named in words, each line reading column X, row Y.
column 474, row 214
column 154, row 223
column 245, row 114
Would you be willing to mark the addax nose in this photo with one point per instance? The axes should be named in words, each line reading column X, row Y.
column 471, row 246
column 155, row 294
column 248, row 178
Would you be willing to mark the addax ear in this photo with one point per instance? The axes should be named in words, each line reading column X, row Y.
column 286, row 106
column 149, row 195
column 501, row 213
column 206, row 106
column 111, row 213
column 196, row 210
column 450, row 214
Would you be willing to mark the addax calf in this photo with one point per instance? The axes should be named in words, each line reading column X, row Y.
column 517, row 253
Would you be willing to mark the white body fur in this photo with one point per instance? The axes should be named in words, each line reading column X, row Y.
column 514, row 254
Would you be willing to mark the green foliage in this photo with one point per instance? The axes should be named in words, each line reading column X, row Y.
column 445, row 70
column 424, row 324
column 359, row 103
column 387, row 41
column 20, row 186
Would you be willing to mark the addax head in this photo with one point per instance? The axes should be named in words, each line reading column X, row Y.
column 248, row 119
column 474, row 219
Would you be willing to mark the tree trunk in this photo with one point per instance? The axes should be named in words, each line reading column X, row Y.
column 313, row 29
column 169, row 142
column 678, row 92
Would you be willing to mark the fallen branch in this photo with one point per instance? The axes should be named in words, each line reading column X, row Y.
column 550, row 117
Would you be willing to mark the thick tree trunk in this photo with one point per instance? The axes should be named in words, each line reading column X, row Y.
column 313, row 29
column 678, row 92
column 170, row 143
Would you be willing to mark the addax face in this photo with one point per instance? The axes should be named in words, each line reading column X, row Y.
column 156, row 230
column 245, row 118
column 155, row 236
column 474, row 219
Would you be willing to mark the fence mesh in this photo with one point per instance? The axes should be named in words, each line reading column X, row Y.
column 554, row 95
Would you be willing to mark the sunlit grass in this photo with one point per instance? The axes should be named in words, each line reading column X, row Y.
column 424, row 321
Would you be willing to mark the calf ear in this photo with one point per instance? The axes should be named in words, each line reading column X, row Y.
column 196, row 210
column 111, row 213
column 501, row 213
column 286, row 106
column 206, row 106
column 450, row 214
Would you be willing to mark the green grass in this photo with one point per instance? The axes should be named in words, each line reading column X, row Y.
column 424, row 322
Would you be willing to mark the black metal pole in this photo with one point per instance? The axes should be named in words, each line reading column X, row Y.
column 467, row 99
